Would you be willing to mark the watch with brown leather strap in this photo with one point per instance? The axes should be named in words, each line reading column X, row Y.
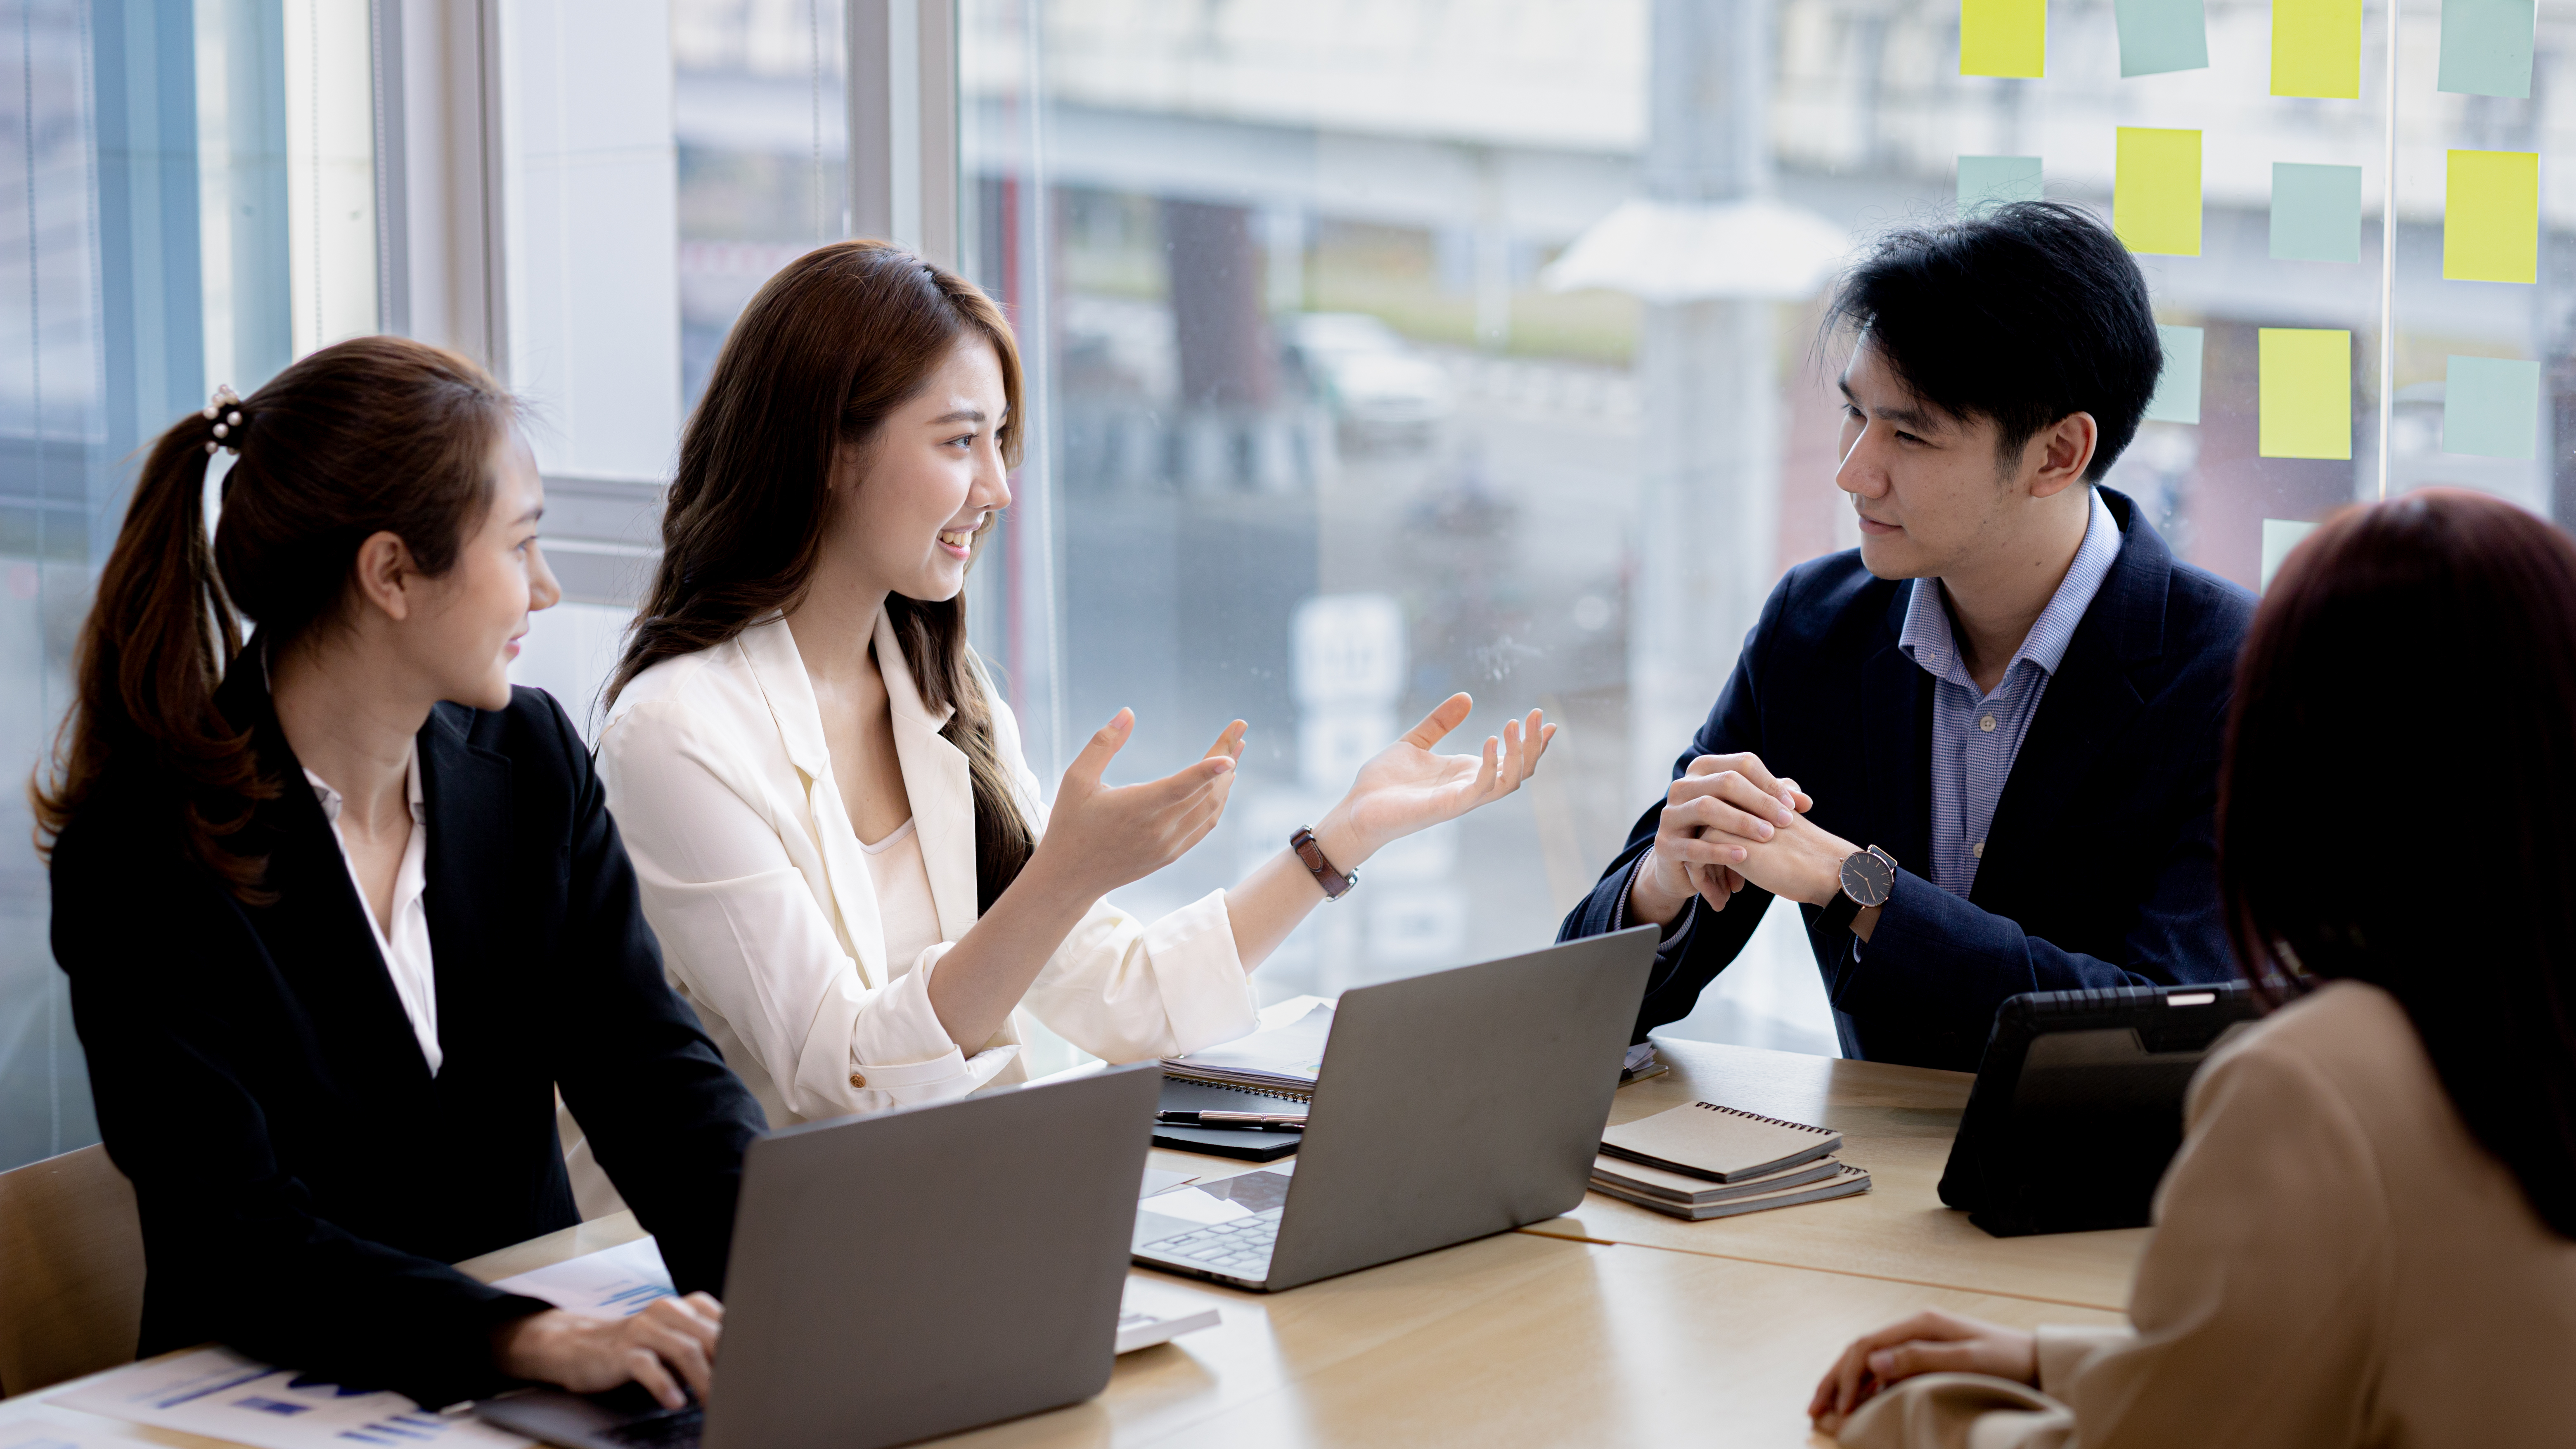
column 1336, row 883
column 1868, row 879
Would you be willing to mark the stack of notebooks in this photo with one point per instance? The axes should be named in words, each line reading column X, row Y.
column 1706, row 1161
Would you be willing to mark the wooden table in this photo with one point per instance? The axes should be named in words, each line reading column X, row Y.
column 1610, row 1325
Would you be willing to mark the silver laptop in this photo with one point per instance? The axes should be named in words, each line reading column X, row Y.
column 1448, row 1107
column 906, row 1275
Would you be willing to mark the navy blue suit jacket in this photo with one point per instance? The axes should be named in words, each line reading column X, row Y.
column 2099, row 868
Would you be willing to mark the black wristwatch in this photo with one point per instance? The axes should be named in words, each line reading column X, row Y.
column 1868, row 879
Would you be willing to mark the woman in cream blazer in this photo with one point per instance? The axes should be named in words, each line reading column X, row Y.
column 848, row 862
column 756, row 881
column 2369, row 1235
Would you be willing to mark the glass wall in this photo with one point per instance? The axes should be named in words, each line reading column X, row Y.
column 1402, row 347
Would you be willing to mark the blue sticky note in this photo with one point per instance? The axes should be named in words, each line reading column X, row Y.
column 2316, row 213
column 2161, row 35
column 1986, row 181
column 2177, row 398
column 2486, row 47
column 2280, row 535
column 2491, row 408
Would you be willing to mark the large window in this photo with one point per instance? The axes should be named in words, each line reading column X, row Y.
column 1401, row 347
column 1378, row 348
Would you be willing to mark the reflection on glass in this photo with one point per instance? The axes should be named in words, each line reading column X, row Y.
column 1484, row 336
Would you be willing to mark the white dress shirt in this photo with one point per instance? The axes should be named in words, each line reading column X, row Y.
column 772, row 924
column 404, row 942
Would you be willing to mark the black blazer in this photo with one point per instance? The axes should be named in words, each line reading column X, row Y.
column 304, row 1182
column 2100, row 867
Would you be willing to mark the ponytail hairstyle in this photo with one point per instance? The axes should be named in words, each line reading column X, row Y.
column 832, row 346
column 373, row 435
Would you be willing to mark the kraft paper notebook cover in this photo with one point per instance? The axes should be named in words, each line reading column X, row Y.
column 1846, row 1181
column 1612, row 1175
column 1718, row 1143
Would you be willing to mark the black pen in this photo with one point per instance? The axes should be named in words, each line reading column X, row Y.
column 1254, row 1121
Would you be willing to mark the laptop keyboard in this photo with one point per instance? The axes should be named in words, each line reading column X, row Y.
column 677, row 1429
column 1239, row 1249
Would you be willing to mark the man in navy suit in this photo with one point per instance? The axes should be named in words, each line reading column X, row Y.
column 1981, row 750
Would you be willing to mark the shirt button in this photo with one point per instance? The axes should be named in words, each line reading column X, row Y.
column 1978, row 850
column 856, row 1080
column 1986, row 722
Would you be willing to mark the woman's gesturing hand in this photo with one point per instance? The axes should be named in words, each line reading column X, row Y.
column 671, row 1343
column 1101, row 837
column 1406, row 787
column 1929, row 1342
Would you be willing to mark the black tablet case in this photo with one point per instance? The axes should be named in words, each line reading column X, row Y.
column 2077, row 1109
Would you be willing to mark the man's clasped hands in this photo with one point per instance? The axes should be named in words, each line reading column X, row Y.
column 1729, row 822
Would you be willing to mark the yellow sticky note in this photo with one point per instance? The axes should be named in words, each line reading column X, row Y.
column 2316, row 48
column 2155, row 193
column 2004, row 37
column 2305, row 380
column 2491, row 217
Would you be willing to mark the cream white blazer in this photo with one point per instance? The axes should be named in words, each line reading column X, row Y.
column 753, row 878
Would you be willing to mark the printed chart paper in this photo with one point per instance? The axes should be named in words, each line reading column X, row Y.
column 2155, row 192
column 2157, row 36
column 2177, row 398
column 2486, row 47
column 2280, row 535
column 1989, row 181
column 2305, row 387
column 222, row 1395
column 613, row 1283
column 2316, row 213
column 2491, row 217
column 2316, row 48
column 2491, row 407
column 2003, row 37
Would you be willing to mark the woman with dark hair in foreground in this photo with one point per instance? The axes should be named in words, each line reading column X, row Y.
column 2366, row 1238
column 341, row 908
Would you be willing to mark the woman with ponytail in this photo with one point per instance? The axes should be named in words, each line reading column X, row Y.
column 841, row 847
column 341, row 908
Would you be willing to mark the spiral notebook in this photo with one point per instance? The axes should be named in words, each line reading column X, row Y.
column 1719, row 1144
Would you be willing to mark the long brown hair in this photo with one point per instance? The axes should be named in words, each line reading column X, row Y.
column 377, row 434
column 2396, row 799
column 837, row 341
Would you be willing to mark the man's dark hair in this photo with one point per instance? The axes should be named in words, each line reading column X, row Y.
column 2025, row 314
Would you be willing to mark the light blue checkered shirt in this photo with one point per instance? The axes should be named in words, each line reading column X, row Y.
column 1976, row 737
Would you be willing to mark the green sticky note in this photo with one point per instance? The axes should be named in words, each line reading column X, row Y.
column 2003, row 37
column 2177, row 398
column 2280, row 535
column 1990, row 181
column 2491, row 408
column 2305, row 379
column 2161, row 35
column 2316, row 48
column 2491, row 217
column 2486, row 47
column 2155, row 191
column 2316, row 213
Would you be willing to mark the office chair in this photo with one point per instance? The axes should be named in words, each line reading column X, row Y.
column 71, row 1270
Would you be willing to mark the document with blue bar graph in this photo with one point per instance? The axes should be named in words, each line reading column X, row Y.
column 222, row 1395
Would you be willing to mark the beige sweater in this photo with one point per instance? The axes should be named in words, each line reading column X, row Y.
column 2336, row 1262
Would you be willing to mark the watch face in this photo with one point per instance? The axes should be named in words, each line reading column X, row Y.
column 1868, row 878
